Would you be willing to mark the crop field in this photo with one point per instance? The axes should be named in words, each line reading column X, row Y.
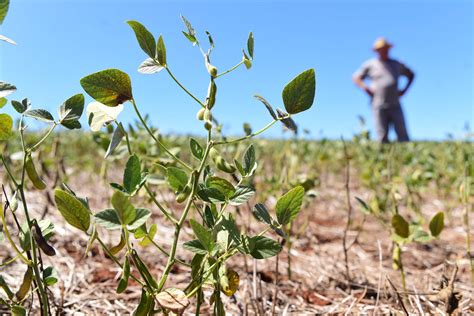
column 310, row 274
column 108, row 216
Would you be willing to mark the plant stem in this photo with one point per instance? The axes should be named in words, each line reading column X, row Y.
column 349, row 212
column 12, row 243
column 248, row 136
column 8, row 171
column 402, row 271
column 127, row 140
column 43, row 297
column 210, row 270
column 114, row 259
column 467, row 210
column 157, row 140
column 289, row 244
column 167, row 254
column 183, row 87
column 196, row 174
column 231, row 69
column 51, row 129
column 152, row 196
column 162, row 209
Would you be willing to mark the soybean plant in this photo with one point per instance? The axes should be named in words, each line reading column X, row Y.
column 402, row 231
column 34, row 234
column 209, row 183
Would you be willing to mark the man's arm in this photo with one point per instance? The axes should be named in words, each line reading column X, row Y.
column 359, row 81
column 410, row 76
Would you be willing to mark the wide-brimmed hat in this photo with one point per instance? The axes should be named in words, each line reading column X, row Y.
column 380, row 43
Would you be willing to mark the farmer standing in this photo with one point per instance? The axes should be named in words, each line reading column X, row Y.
column 383, row 72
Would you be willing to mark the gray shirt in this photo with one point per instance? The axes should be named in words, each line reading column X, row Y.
column 384, row 80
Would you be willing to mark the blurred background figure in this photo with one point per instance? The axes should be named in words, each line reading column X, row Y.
column 383, row 73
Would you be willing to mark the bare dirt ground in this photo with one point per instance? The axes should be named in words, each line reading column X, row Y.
column 318, row 284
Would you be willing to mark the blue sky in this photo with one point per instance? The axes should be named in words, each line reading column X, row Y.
column 61, row 41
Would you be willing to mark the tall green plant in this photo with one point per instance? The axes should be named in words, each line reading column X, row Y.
column 210, row 184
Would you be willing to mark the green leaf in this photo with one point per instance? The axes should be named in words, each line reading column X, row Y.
column 72, row 124
column 264, row 247
column 108, row 219
column 227, row 222
column 401, row 226
column 267, row 105
column 195, row 246
column 190, row 28
column 26, row 103
column 144, row 37
column 242, row 194
column 71, row 111
column 161, row 51
column 437, row 224
column 222, row 185
column 18, row 106
column 211, row 41
column 118, row 187
column 204, row 235
column 261, row 214
column 4, row 4
column 191, row 35
column 18, row 310
column 211, row 195
column 115, row 141
column 190, row 38
column 126, row 211
column 196, row 149
column 140, row 232
column 421, row 236
column 149, row 236
column 250, row 43
column 3, row 101
column 50, row 276
column 288, row 206
column 6, row 88
column 177, row 178
column 72, row 209
column 209, row 217
column 141, row 217
column 298, row 94
column 239, row 167
column 249, row 164
column 40, row 114
column 149, row 66
column 222, row 240
column 110, row 87
column 6, row 125
column 132, row 175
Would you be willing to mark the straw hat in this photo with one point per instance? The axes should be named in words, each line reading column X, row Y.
column 380, row 43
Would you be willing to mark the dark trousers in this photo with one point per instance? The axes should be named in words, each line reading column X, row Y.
column 385, row 118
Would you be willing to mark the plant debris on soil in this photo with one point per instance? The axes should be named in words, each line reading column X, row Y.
column 437, row 273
